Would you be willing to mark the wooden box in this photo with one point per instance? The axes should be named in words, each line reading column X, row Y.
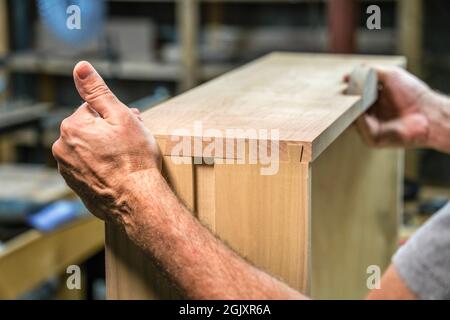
column 318, row 215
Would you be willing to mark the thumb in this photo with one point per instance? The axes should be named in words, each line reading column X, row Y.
column 95, row 92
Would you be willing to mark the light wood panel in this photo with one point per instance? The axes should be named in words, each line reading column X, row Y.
column 301, row 95
column 266, row 218
column 205, row 200
column 130, row 274
column 355, row 215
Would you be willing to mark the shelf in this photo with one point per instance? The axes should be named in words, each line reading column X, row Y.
column 32, row 62
column 127, row 70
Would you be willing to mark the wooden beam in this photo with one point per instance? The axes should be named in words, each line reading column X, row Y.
column 410, row 28
column 410, row 25
column 127, row 265
column 187, row 12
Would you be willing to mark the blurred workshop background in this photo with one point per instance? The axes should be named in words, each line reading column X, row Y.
column 148, row 51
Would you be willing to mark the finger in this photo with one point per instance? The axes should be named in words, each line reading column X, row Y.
column 95, row 92
column 57, row 149
column 62, row 153
column 368, row 128
column 410, row 131
column 390, row 134
column 379, row 134
column 384, row 72
column 384, row 134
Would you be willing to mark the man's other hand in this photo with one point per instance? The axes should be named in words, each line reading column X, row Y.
column 399, row 117
column 104, row 148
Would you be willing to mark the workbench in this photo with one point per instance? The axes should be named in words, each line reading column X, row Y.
column 328, row 213
column 32, row 257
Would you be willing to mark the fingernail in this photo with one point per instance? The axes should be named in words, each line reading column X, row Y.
column 84, row 69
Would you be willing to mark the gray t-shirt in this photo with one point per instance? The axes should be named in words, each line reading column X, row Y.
column 424, row 261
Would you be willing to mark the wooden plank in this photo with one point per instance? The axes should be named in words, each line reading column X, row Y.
column 205, row 200
column 266, row 218
column 301, row 95
column 410, row 25
column 33, row 257
column 355, row 215
column 131, row 274
column 179, row 174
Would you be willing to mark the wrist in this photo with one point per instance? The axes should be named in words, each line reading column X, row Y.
column 154, row 213
column 137, row 192
column 436, row 108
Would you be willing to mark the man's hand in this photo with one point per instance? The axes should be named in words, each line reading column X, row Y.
column 104, row 149
column 399, row 117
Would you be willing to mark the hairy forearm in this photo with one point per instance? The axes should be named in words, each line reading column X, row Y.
column 199, row 264
column 437, row 110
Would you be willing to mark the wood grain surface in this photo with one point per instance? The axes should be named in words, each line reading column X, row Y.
column 301, row 95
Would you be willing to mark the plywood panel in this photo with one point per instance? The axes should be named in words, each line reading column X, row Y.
column 266, row 218
column 301, row 95
column 130, row 274
column 205, row 200
column 355, row 215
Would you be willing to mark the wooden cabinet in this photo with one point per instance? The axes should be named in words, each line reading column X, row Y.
column 267, row 158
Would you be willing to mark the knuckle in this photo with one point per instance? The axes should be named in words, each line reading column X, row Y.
column 56, row 149
column 66, row 127
column 124, row 113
